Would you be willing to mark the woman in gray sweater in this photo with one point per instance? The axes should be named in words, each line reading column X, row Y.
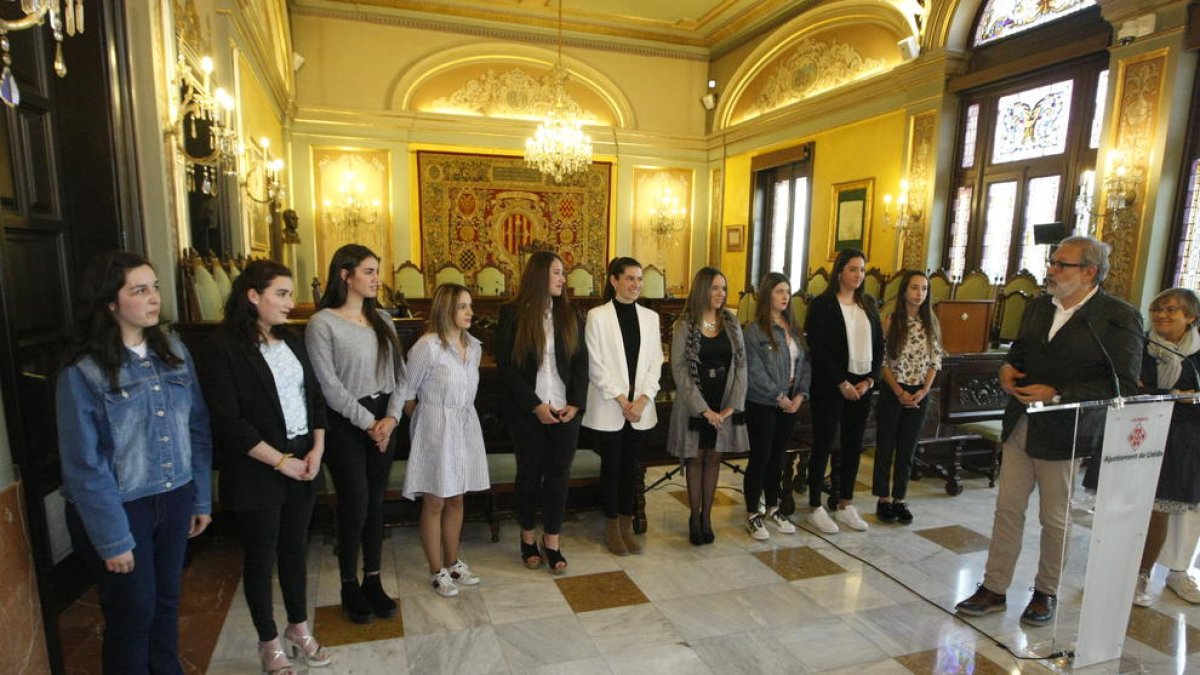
column 358, row 361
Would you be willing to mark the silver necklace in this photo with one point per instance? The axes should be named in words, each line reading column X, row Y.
column 708, row 325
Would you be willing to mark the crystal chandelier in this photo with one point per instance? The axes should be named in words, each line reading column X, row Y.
column 65, row 16
column 351, row 210
column 559, row 148
column 667, row 216
column 203, row 125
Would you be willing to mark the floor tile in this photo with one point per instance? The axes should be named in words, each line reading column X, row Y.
column 475, row 650
column 956, row 538
column 1167, row 634
column 622, row 629
column 799, row 563
column 431, row 613
column 333, row 628
column 600, row 591
column 740, row 653
column 951, row 659
column 676, row 659
column 524, row 601
column 530, row 644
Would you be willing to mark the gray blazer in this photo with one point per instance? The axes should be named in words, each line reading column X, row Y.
column 682, row 441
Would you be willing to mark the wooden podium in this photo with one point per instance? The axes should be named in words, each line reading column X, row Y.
column 966, row 325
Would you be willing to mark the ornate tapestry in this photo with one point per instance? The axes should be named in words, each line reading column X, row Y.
column 479, row 210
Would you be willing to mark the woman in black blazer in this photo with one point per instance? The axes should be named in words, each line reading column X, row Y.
column 846, row 340
column 268, row 419
column 543, row 365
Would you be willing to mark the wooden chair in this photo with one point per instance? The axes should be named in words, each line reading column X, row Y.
column 940, row 286
column 208, row 295
column 817, row 282
column 892, row 289
column 1008, row 323
column 746, row 304
column 409, row 280
column 873, row 283
column 580, row 281
column 800, row 307
column 491, row 281
column 448, row 274
column 974, row 286
column 223, row 280
column 1022, row 281
column 654, row 284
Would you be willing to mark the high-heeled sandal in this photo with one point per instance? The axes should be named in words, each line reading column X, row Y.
column 531, row 556
column 553, row 557
column 304, row 645
column 273, row 659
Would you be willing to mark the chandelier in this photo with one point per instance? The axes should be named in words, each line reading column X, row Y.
column 65, row 16
column 1122, row 181
column 351, row 210
column 262, row 182
column 667, row 217
column 203, row 125
column 559, row 148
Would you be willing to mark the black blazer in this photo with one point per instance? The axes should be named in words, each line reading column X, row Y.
column 1074, row 364
column 825, row 329
column 519, row 382
column 244, row 406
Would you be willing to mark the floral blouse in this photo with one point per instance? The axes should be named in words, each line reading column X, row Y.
column 915, row 357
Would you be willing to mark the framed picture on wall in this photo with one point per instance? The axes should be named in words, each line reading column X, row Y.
column 850, row 213
column 735, row 238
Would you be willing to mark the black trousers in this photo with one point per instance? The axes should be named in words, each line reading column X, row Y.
column 829, row 412
column 897, row 429
column 620, row 452
column 769, row 429
column 544, row 456
column 360, row 476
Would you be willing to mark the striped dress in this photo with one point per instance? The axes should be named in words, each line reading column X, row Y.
column 447, row 457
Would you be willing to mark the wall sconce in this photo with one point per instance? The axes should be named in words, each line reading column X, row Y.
column 667, row 217
column 1121, row 183
column 903, row 216
column 351, row 209
column 64, row 17
column 203, row 125
column 261, row 177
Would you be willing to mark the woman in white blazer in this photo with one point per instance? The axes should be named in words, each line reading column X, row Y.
column 625, row 360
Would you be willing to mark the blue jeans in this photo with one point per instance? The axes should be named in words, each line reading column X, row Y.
column 141, row 608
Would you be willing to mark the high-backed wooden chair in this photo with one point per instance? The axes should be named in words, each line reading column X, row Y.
column 580, row 281
column 221, row 277
column 491, row 281
column 817, row 282
column 800, row 307
column 654, row 284
column 409, row 280
column 873, row 283
column 208, row 295
column 892, row 288
column 1022, row 281
column 448, row 274
column 1008, row 323
column 974, row 286
column 746, row 303
column 940, row 286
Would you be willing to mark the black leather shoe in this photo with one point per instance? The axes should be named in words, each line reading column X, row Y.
column 1040, row 610
column 382, row 605
column 903, row 515
column 982, row 602
column 885, row 512
column 354, row 603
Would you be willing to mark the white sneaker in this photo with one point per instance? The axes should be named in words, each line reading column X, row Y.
column 461, row 574
column 444, row 584
column 1142, row 597
column 780, row 521
column 819, row 518
column 1184, row 585
column 756, row 528
column 850, row 518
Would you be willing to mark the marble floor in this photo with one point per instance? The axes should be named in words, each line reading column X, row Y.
column 874, row 602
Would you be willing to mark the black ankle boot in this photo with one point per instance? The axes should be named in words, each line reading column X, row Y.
column 354, row 602
column 383, row 606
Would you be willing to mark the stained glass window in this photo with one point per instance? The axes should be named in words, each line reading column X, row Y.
column 997, row 233
column 1188, row 275
column 1032, row 123
column 1002, row 18
column 1098, row 114
column 958, row 232
column 969, row 136
column 1041, row 203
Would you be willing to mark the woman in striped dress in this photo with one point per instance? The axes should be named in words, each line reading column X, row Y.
column 447, row 457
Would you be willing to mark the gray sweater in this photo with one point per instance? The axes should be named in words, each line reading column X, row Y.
column 343, row 356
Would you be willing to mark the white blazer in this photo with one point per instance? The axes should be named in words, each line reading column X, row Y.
column 608, row 372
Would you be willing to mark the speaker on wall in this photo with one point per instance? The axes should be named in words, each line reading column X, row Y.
column 709, row 100
column 909, row 49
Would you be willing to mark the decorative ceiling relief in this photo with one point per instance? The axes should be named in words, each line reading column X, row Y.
column 513, row 94
column 814, row 66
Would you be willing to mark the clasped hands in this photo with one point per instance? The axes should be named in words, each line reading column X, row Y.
column 632, row 411
column 1029, row 393
column 548, row 415
column 303, row 468
column 716, row 418
column 790, row 405
column 854, row 392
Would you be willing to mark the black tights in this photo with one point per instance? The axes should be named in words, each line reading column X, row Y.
column 620, row 452
column 702, row 472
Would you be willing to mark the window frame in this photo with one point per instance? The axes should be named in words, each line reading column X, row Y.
column 764, row 176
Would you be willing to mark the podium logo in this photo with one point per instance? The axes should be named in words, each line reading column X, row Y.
column 1137, row 436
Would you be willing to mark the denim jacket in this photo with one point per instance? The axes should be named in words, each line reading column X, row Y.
column 768, row 366
column 149, row 437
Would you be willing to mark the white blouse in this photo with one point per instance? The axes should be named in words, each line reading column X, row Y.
column 858, row 339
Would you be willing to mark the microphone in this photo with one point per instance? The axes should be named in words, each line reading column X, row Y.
column 1148, row 339
column 1112, row 368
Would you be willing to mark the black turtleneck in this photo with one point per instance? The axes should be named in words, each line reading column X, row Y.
column 631, row 335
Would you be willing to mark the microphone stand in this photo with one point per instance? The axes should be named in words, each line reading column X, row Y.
column 1112, row 368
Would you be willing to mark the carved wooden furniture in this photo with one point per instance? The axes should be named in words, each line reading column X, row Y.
column 966, row 325
column 409, row 280
column 940, row 286
column 974, row 286
column 873, row 283
column 580, row 281
column 654, row 283
column 1022, row 281
column 817, row 282
column 800, row 308
column 448, row 273
column 892, row 289
column 490, row 281
column 746, row 303
column 1008, row 322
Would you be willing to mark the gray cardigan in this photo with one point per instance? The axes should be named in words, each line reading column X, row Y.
column 682, row 441
column 343, row 357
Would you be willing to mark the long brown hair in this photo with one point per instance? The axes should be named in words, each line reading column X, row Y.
column 533, row 295
column 897, row 333
column 762, row 308
column 698, row 297
column 441, row 311
column 835, row 281
column 348, row 258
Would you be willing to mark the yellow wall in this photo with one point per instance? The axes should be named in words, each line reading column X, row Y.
column 872, row 148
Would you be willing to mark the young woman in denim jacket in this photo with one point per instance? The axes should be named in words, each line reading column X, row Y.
column 708, row 364
column 779, row 378
column 136, row 456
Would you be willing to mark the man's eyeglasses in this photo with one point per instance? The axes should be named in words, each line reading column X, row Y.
column 1058, row 265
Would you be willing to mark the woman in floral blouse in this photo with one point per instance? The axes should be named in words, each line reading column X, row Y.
column 911, row 361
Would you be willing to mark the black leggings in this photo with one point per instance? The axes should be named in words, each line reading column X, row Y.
column 277, row 533
column 360, row 476
column 829, row 411
column 544, row 456
column 769, row 429
column 620, row 452
column 897, row 429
